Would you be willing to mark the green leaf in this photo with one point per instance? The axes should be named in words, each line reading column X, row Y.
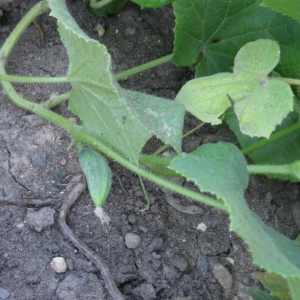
column 286, row 7
column 221, row 169
column 209, row 33
column 283, row 151
column 164, row 117
column 103, row 107
column 257, row 99
column 257, row 294
column 152, row 3
column 111, row 8
column 276, row 284
column 294, row 287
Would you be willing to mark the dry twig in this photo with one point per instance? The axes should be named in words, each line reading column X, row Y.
column 27, row 202
column 76, row 191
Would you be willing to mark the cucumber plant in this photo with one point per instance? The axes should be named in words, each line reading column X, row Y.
column 247, row 70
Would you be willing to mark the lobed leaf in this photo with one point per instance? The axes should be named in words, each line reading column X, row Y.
column 221, row 169
column 209, row 33
column 283, row 151
column 286, row 7
column 103, row 107
column 257, row 98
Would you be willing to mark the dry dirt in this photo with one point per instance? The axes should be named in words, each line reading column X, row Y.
column 175, row 260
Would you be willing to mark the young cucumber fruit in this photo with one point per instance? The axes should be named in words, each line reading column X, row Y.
column 98, row 175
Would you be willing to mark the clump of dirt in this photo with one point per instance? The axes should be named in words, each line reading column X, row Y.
column 161, row 253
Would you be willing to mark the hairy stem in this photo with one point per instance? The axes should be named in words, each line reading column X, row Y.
column 274, row 137
column 143, row 67
column 34, row 12
column 27, row 79
column 269, row 169
column 290, row 81
column 56, row 100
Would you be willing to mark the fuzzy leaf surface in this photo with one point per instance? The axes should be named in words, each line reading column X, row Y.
column 221, row 169
column 152, row 3
column 257, row 99
column 98, row 100
column 209, row 33
column 164, row 117
column 286, row 7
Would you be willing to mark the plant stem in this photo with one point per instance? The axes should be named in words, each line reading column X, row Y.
column 83, row 137
column 154, row 160
column 75, row 131
column 141, row 68
column 35, row 11
column 98, row 4
column 56, row 100
column 165, row 147
column 269, row 169
column 272, row 138
column 290, row 81
column 26, row 79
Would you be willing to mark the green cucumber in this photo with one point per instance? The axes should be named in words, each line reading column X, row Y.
column 98, row 175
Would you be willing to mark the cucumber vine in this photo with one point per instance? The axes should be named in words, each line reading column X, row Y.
column 245, row 83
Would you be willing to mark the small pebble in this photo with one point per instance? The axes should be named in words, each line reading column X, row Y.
column 63, row 161
column 59, row 265
column 40, row 220
column 202, row 227
column 203, row 264
column 156, row 245
column 132, row 219
column 132, row 240
column 223, row 276
column 4, row 294
column 147, row 292
column 41, row 158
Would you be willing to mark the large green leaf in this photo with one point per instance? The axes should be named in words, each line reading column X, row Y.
column 286, row 7
column 209, row 33
column 221, row 169
column 257, row 99
column 103, row 107
column 285, row 150
column 152, row 3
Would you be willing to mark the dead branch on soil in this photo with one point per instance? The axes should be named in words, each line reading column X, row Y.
column 79, row 186
column 27, row 202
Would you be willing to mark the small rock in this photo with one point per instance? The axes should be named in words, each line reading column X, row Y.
column 59, row 265
column 32, row 279
column 63, row 161
column 296, row 213
column 132, row 219
column 223, row 276
column 146, row 291
column 4, row 294
column 156, row 245
column 41, row 159
column 132, row 240
column 201, row 226
column 181, row 263
column 40, row 220
column 203, row 264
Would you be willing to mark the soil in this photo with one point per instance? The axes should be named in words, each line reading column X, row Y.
column 174, row 260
